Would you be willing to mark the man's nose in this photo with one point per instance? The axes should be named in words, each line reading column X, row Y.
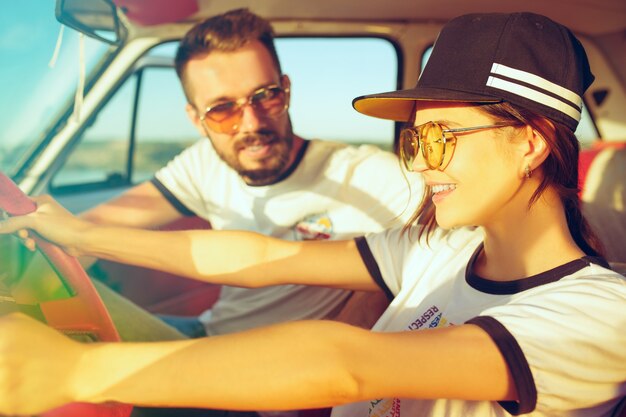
column 251, row 118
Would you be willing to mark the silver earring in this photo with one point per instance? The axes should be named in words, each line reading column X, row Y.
column 527, row 171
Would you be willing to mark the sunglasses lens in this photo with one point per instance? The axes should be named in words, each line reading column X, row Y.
column 224, row 117
column 432, row 144
column 223, row 111
column 271, row 101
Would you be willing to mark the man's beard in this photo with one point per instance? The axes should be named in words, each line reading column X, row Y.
column 276, row 163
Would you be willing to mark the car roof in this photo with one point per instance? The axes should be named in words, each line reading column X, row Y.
column 589, row 17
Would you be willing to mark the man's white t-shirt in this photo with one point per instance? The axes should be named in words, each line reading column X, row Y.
column 336, row 191
column 562, row 332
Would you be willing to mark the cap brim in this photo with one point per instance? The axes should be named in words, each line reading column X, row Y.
column 398, row 105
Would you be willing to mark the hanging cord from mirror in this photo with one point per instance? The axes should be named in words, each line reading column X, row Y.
column 80, row 86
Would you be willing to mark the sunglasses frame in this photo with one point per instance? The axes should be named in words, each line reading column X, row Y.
column 447, row 136
column 238, row 106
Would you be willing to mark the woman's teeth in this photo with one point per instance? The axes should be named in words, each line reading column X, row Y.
column 442, row 187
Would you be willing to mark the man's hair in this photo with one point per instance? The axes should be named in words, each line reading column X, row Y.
column 226, row 33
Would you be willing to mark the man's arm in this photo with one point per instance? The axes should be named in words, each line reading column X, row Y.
column 288, row 366
column 142, row 207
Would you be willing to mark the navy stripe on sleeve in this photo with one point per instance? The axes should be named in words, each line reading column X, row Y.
column 178, row 205
column 372, row 265
column 516, row 361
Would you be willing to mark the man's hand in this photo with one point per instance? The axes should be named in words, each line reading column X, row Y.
column 36, row 366
column 52, row 222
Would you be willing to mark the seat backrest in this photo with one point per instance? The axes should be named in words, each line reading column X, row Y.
column 602, row 172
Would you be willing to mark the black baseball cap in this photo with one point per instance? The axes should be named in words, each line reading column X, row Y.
column 523, row 58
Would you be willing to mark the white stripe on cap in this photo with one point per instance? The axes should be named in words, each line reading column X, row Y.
column 537, row 81
column 534, row 95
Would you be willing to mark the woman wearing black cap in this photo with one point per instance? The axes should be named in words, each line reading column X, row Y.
column 508, row 308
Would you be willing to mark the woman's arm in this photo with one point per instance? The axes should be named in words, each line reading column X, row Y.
column 288, row 366
column 235, row 258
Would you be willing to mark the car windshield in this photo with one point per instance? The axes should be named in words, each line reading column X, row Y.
column 39, row 74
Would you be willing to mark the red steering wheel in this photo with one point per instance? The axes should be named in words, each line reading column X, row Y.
column 84, row 312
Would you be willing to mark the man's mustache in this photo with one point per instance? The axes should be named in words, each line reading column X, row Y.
column 258, row 138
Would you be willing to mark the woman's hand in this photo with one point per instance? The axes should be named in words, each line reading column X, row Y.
column 52, row 222
column 36, row 366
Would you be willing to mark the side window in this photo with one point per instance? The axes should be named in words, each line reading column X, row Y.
column 586, row 131
column 327, row 74
column 101, row 156
column 163, row 129
column 115, row 152
column 144, row 124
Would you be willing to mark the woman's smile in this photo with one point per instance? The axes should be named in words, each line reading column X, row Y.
column 441, row 191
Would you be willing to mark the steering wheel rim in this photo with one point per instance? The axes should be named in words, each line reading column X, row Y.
column 83, row 312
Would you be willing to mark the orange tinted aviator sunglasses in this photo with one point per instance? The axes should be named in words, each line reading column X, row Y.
column 435, row 141
column 225, row 116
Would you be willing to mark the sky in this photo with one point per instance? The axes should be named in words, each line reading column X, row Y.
column 30, row 86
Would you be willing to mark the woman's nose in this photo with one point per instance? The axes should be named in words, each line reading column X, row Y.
column 419, row 163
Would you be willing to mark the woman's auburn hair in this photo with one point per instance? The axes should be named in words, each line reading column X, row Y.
column 560, row 172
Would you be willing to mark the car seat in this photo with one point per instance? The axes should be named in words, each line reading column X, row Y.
column 602, row 180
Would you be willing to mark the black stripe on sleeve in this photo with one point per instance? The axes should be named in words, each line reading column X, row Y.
column 517, row 363
column 372, row 265
column 178, row 205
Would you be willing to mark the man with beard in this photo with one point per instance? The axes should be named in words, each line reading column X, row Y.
column 253, row 173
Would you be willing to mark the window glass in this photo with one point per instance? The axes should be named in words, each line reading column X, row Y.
column 163, row 128
column 326, row 74
column 101, row 155
column 586, row 131
column 38, row 72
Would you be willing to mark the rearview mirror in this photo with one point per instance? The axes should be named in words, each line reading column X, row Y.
column 95, row 18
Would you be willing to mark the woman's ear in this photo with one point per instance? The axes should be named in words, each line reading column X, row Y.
column 537, row 150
